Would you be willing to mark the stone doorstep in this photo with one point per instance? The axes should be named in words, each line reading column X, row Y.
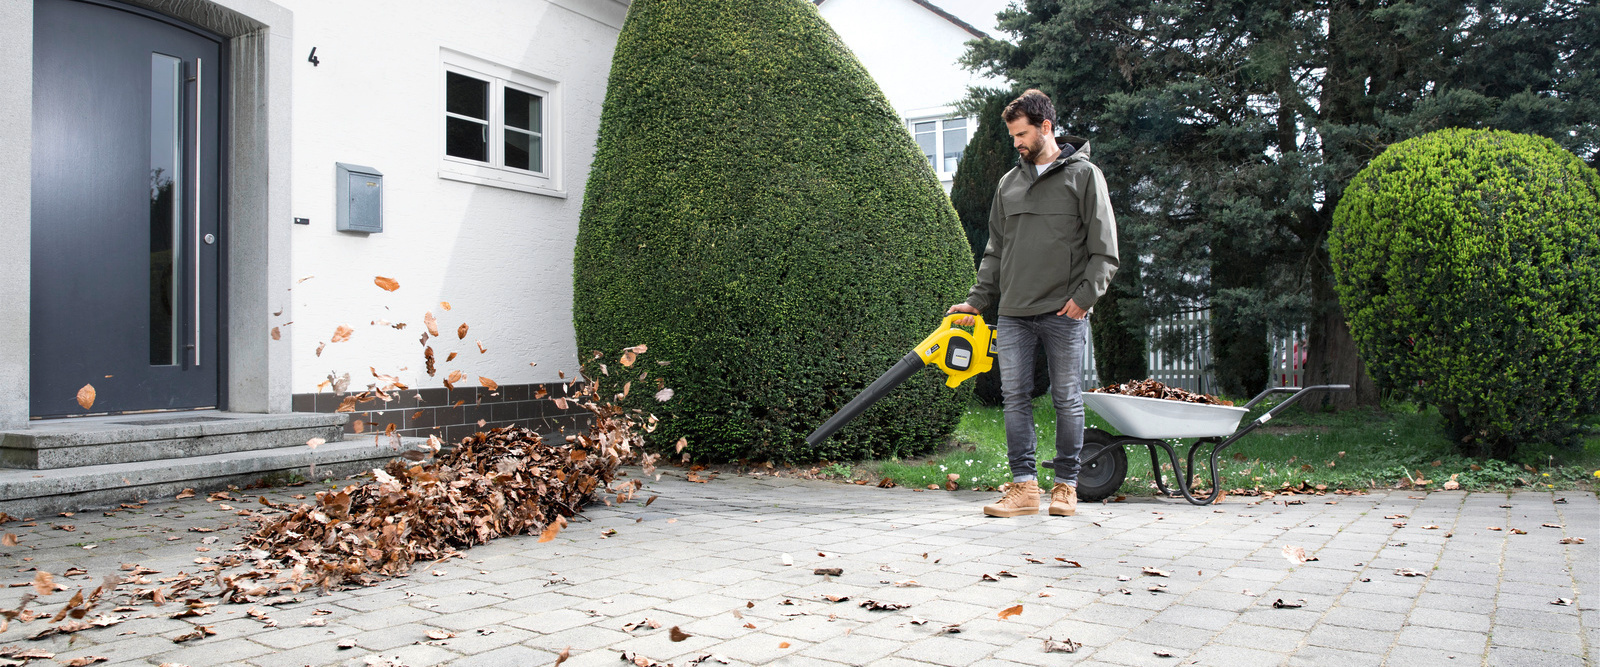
column 91, row 441
column 46, row 492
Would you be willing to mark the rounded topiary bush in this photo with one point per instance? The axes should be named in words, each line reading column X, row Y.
column 759, row 216
column 1468, row 265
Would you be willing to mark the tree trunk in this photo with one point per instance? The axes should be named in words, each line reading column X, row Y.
column 1331, row 355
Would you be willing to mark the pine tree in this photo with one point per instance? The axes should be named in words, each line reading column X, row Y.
column 1234, row 127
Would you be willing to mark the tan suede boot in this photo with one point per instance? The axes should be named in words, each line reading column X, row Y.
column 1063, row 500
column 1020, row 498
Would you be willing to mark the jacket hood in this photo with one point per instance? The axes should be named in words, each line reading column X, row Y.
column 1080, row 152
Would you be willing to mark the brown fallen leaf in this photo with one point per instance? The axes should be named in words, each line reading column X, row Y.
column 1008, row 612
column 491, row 385
column 1152, row 572
column 783, row 644
column 651, row 499
column 677, row 635
column 440, row 635
column 1408, row 572
column 387, row 284
column 86, row 396
column 1069, row 563
column 341, row 334
column 829, row 571
column 1296, row 555
column 1280, row 604
column 44, row 583
column 319, row 348
column 198, row 632
column 1518, row 531
column 1068, row 646
column 461, row 331
column 431, row 323
column 565, row 653
column 1552, row 525
column 1495, row 528
column 874, row 605
column 8, row 540
column 1562, row 602
column 551, row 530
column 84, row 660
column 317, row 442
column 682, row 442
column 1571, row 540
column 276, row 335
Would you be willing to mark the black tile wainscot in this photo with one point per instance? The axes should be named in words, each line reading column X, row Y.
column 453, row 414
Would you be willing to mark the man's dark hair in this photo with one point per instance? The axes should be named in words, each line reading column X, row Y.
column 1034, row 104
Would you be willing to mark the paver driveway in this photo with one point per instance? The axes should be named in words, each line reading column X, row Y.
column 711, row 559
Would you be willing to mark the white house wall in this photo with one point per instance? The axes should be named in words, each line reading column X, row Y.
column 910, row 51
column 501, row 258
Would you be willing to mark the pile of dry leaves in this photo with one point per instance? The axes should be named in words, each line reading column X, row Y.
column 508, row 481
column 1155, row 389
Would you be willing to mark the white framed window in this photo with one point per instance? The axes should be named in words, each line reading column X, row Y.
column 942, row 141
column 499, row 126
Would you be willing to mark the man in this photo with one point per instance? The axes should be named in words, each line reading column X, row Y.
column 1052, row 251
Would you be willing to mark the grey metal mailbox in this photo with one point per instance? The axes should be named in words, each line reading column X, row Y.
column 360, row 198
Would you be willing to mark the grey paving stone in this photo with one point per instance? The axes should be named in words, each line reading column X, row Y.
column 1235, row 656
column 1516, row 657
column 1456, row 640
column 1538, row 640
column 1317, row 656
column 1449, row 620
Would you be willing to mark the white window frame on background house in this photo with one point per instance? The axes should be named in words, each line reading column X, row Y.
column 942, row 154
column 493, row 170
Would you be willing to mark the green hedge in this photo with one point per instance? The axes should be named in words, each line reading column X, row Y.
column 759, row 216
column 1468, row 263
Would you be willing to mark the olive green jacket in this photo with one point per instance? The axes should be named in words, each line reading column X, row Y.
column 1051, row 237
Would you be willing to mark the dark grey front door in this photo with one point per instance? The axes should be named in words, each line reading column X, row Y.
column 126, row 217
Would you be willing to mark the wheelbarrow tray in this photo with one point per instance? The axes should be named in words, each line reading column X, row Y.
column 1158, row 418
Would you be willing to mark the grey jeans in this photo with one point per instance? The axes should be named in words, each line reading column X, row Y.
column 1063, row 339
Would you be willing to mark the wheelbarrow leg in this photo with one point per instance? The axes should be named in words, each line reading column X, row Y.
column 1155, row 471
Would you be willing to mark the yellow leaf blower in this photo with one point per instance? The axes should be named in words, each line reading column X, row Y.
column 961, row 355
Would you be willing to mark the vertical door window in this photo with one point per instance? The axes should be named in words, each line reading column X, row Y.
column 955, row 141
column 927, row 139
column 466, row 117
column 524, row 130
column 166, row 213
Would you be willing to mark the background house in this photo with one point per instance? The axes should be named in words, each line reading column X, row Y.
column 179, row 172
column 911, row 48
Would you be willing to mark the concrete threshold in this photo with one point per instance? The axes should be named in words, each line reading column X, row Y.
column 69, row 465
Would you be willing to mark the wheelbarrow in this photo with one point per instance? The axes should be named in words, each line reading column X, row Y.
column 1152, row 422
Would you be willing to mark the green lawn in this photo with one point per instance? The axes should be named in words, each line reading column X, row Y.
column 1350, row 450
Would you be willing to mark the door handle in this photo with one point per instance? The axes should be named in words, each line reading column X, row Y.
column 199, row 81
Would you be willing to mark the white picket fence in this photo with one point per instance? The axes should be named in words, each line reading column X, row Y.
column 1189, row 368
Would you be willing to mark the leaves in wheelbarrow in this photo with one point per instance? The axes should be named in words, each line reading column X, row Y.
column 1155, row 389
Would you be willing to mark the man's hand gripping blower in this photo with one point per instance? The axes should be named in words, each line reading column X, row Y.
column 961, row 355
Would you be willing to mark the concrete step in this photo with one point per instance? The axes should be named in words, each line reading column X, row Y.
column 91, row 441
column 42, row 493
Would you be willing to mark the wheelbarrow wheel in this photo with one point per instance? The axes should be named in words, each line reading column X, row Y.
column 1102, row 477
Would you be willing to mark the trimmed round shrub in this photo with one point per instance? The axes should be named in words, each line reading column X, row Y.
column 987, row 157
column 1468, row 264
column 758, row 215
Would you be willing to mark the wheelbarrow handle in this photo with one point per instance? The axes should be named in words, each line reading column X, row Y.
column 1296, row 396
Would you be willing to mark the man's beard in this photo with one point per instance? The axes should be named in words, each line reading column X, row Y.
column 1031, row 152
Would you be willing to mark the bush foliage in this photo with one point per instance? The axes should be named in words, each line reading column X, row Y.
column 760, row 217
column 1468, row 263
